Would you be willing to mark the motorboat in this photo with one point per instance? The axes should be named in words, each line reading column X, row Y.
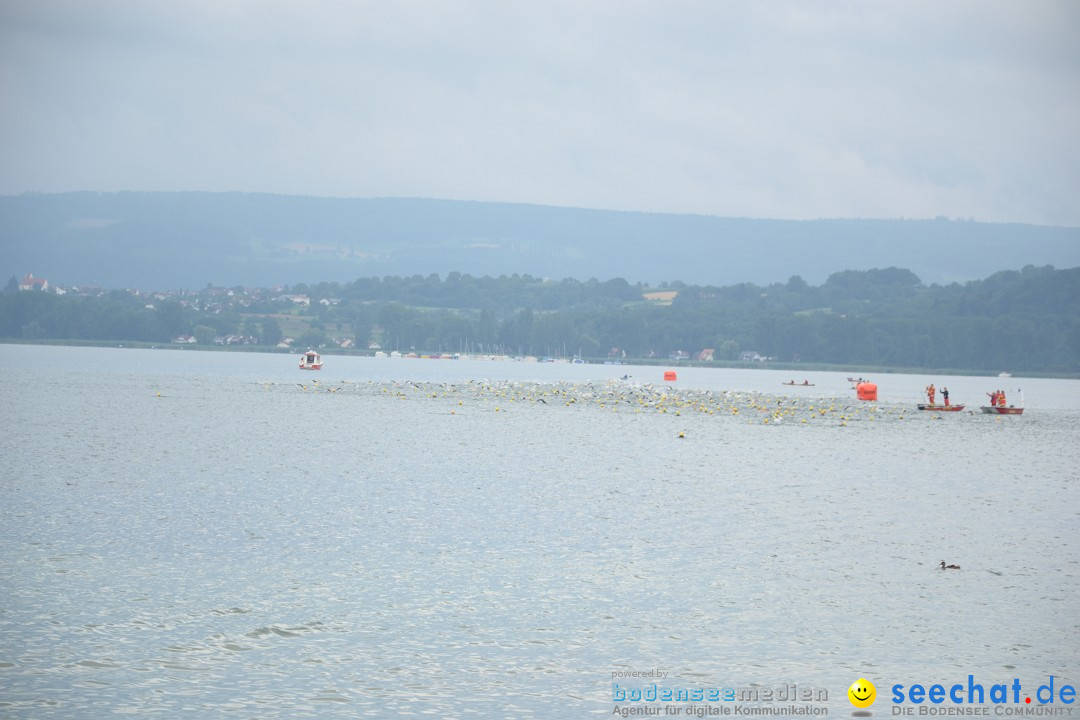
column 310, row 361
column 1002, row 410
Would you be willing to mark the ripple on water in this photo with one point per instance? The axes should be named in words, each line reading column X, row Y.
column 479, row 548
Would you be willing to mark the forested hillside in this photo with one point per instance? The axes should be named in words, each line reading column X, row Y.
column 1023, row 321
column 163, row 241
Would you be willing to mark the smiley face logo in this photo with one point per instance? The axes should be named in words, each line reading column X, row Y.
column 862, row 693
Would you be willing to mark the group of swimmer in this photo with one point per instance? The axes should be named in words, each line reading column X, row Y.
column 931, row 391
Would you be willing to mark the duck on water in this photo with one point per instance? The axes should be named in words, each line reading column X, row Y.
column 949, row 567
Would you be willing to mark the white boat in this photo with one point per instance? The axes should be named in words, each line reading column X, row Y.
column 1004, row 374
column 310, row 361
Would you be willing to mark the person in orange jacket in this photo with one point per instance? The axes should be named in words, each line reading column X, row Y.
column 930, row 392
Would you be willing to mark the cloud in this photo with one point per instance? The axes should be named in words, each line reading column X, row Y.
column 785, row 109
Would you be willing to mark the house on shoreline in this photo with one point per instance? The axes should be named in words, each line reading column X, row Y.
column 31, row 283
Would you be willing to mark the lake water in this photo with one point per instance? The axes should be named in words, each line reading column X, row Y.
column 199, row 534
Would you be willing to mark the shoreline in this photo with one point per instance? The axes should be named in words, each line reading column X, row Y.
column 859, row 371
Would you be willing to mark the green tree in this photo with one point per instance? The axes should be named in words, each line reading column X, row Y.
column 204, row 334
column 313, row 338
column 588, row 345
column 170, row 321
column 395, row 319
column 270, row 332
column 361, row 321
column 727, row 350
column 34, row 331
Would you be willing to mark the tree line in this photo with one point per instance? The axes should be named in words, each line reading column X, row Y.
column 1027, row 320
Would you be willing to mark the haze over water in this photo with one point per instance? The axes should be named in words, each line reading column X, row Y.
column 189, row 534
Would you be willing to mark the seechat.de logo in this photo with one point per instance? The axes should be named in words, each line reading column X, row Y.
column 862, row 693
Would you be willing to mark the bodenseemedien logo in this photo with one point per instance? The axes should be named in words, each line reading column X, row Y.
column 699, row 701
column 862, row 693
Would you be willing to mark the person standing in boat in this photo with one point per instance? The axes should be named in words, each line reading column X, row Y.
column 1001, row 398
column 945, row 395
column 930, row 392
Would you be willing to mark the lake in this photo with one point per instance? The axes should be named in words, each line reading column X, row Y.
column 206, row 533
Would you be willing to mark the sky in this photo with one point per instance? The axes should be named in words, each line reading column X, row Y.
column 771, row 109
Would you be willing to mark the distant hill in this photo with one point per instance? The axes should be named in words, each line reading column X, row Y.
column 186, row 240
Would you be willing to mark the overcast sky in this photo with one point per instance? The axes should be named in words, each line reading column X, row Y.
column 810, row 109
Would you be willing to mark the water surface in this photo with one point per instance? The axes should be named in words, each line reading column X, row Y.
column 188, row 533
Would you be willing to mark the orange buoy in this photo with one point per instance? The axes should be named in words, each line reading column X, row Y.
column 866, row 391
column 669, row 375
